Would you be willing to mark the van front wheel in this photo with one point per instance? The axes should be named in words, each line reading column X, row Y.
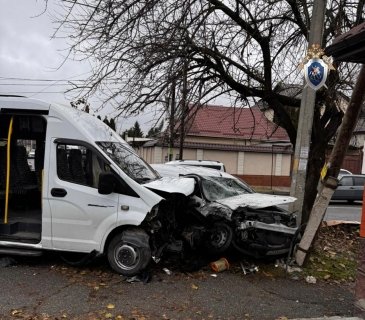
column 129, row 252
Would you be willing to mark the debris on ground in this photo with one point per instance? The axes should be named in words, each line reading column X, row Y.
column 248, row 268
column 311, row 279
column 167, row 271
column 288, row 265
column 144, row 277
column 219, row 265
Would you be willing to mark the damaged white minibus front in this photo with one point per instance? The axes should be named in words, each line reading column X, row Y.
column 83, row 193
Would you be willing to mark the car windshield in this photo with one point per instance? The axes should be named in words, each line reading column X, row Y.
column 216, row 188
column 131, row 164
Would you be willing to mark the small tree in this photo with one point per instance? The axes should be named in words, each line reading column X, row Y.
column 155, row 131
column 134, row 131
column 112, row 124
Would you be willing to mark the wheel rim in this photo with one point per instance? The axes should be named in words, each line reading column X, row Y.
column 219, row 238
column 126, row 257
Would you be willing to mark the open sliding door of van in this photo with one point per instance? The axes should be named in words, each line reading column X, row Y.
column 22, row 137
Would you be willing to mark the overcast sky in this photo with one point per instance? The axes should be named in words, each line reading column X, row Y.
column 27, row 53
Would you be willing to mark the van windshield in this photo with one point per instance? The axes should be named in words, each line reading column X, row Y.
column 131, row 164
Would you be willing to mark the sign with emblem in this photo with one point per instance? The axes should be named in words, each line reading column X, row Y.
column 315, row 73
column 315, row 67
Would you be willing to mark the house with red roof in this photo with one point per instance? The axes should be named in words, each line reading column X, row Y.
column 244, row 139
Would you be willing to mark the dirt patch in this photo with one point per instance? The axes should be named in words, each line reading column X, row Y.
column 335, row 253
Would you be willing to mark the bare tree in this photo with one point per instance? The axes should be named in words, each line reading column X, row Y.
column 247, row 50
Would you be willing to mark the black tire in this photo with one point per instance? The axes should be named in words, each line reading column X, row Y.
column 129, row 252
column 219, row 238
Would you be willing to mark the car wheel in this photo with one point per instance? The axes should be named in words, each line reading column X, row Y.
column 219, row 238
column 129, row 252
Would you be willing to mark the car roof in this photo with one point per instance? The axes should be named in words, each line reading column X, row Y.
column 353, row 175
column 194, row 161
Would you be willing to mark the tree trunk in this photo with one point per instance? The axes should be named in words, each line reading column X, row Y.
column 316, row 161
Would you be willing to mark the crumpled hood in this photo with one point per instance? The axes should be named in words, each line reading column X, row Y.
column 173, row 185
column 255, row 201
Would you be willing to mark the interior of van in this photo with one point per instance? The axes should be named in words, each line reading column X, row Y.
column 22, row 141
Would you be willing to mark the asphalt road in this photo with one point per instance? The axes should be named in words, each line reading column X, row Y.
column 341, row 210
column 47, row 289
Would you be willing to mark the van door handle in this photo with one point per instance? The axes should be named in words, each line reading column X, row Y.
column 58, row 192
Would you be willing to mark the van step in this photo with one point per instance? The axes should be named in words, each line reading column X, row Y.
column 21, row 252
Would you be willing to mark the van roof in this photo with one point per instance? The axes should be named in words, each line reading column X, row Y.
column 22, row 103
column 83, row 122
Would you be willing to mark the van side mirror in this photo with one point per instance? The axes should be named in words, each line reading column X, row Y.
column 106, row 183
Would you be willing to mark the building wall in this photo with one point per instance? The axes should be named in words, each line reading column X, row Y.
column 241, row 163
column 229, row 158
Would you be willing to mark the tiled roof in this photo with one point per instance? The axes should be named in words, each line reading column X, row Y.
column 242, row 123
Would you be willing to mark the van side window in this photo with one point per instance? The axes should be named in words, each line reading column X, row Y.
column 79, row 165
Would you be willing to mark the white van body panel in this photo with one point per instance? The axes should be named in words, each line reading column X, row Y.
column 81, row 220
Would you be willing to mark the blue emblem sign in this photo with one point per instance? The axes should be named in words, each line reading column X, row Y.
column 315, row 72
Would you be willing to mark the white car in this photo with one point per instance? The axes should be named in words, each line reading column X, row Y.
column 223, row 211
column 212, row 164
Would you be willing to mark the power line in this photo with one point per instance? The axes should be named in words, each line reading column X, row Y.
column 40, row 80
column 51, row 80
column 33, row 84
column 30, row 92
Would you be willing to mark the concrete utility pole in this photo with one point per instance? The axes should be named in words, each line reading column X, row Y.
column 306, row 117
column 329, row 183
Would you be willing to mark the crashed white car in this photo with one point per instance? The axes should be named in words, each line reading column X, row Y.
column 222, row 211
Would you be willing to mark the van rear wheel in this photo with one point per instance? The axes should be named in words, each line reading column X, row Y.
column 129, row 252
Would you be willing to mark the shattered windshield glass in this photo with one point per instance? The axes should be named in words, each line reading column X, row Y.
column 135, row 167
column 216, row 188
